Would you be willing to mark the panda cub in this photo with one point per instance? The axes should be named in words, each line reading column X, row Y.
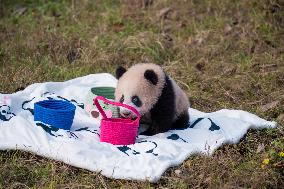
column 160, row 101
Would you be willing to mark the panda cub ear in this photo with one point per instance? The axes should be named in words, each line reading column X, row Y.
column 151, row 76
column 119, row 72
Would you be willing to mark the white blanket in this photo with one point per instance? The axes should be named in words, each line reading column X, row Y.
column 80, row 147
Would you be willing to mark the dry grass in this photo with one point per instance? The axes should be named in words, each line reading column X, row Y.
column 224, row 54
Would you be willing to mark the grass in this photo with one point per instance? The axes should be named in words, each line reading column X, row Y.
column 224, row 54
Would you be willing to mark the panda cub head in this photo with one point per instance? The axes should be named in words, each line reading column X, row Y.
column 140, row 86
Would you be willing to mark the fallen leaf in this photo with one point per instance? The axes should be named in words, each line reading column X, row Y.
column 269, row 106
column 20, row 10
column 207, row 180
column 199, row 40
column 73, row 55
column 227, row 29
column 267, row 66
column 189, row 40
column 188, row 163
column 167, row 37
column 55, row 13
column 181, row 24
column 117, row 27
column 237, row 18
column 281, row 117
column 200, row 66
column 167, row 41
column 229, row 71
column 200, row 37
column 147, row 3
column 270, row 43
column 178, row 172
column 260, row 148
column 162, row 14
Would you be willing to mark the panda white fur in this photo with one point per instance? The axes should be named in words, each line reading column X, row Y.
column 160, row 101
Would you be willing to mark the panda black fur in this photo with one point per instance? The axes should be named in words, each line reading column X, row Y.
column 160, row 101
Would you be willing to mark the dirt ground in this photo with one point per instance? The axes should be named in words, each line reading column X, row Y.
column 224, row 54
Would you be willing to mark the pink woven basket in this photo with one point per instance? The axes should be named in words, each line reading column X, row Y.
column 117, row 131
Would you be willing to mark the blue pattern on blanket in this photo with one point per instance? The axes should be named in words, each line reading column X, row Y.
column 5, row 113
column 29, row 104
column 28, row 108
column 95, row 131
column 124, row 149
column 49, row 129
column 53, row 131
column 213, row 126
column 176, row 137
column 134, row 149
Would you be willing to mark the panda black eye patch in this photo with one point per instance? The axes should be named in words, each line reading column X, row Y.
column 135, row 100
column 121, row 100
